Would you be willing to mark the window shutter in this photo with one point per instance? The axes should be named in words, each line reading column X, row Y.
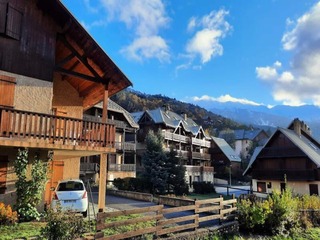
column 7, row 87
column 14, row 20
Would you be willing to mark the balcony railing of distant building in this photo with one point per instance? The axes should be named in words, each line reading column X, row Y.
column 288, row 174
column 117, row 123
column 55, row 129
column 202, row 156
column 175, row 137
column 199, row 169
column 89, row 167
column 125, row 146
column 122, row 167
column 201, row 142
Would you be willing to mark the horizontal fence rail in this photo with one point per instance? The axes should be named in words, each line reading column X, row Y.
column 55, row 129
column 167, row 220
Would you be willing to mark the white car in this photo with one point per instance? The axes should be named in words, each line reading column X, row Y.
column 71, row 195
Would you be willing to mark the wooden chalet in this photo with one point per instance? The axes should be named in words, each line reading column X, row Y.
column 51, row 71
column 180, row 132
column 290, row 158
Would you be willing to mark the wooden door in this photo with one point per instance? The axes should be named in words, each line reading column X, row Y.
column 55, row 174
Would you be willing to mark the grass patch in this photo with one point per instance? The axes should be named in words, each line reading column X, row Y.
column 21, row 230
column 128, row 228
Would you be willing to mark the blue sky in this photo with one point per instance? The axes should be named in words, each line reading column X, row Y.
column 256, row 52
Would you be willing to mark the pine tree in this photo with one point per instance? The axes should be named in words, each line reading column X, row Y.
column 176, row 174
column 154, row 161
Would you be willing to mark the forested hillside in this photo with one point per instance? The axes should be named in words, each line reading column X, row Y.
column 134, row 101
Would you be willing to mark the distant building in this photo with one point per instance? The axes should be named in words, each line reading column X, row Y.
column 222, row 156
column 184, row 135
column 245, row 140
column 121, row 163
column 290, row 158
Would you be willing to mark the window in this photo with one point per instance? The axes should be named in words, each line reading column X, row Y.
column 10, row 21
column 313, row 189
column 261, row 187
column 7, row 87
column 3, row 173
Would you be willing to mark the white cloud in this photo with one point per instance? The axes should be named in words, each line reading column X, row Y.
column 224, row 99
column 89, row 7
column 145, row 18
column 286, row 77
column 211, row 29
column 146, row 48
column 266, row 73
column 299, row 84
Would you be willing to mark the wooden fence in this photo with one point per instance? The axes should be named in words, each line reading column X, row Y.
column 168, row 220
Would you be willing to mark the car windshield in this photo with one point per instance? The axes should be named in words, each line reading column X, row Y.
column 70, row 186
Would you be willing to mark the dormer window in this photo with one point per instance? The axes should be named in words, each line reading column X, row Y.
column 10, row 21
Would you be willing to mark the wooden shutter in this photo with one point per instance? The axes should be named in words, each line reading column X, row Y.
column 7, row 87
column 3, row 173
column 14, row 20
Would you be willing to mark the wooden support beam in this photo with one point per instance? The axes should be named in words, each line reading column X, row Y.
column 102, row 182
column 65, row 60
column 82, row 58
column 74, row 74
column 105, row 106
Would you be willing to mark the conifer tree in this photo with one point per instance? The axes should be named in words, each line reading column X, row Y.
column 154, row 161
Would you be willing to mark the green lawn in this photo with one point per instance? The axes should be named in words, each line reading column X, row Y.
column 21, row 230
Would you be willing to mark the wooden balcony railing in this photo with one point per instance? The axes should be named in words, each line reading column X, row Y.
column 201, row 142
column 55, row 129
column 122, row 167
column 202, row 156
column 289, row 174
column 89, row 167
column 125, row 146
column 199, row 169
column 175, row 137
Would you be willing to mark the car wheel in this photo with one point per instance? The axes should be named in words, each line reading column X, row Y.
column 85, row 214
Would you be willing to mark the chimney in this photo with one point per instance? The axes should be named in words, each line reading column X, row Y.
column 297, row 126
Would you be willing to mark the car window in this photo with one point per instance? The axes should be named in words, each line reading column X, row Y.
column 70, row 186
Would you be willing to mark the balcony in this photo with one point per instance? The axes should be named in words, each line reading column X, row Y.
column 201, row 142
column 59, row 132
column 291, row 174
column 89, row 167
column 201, row 156
column 199, row 169
column 175, row 137
column 122, row 167
column 125, row 146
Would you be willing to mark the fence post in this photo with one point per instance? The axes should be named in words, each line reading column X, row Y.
column 158, row 226
column 196, row 211
column 220, row 208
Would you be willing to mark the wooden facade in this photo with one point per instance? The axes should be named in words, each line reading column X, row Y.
column 290, row 157
column 51, row 71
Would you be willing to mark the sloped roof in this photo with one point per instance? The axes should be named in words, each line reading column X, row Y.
column 308, row 145
column 170, row 119
column 257, row 150
column 112, row 106
column 226, row 149
column 246, row 134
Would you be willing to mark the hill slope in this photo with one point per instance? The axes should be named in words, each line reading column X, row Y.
column 134, row 101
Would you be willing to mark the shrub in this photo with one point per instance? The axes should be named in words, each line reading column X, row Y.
column 309, row 211
column 131, row 184
column 63, row 225
column 7, row 216
column 203, row 187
